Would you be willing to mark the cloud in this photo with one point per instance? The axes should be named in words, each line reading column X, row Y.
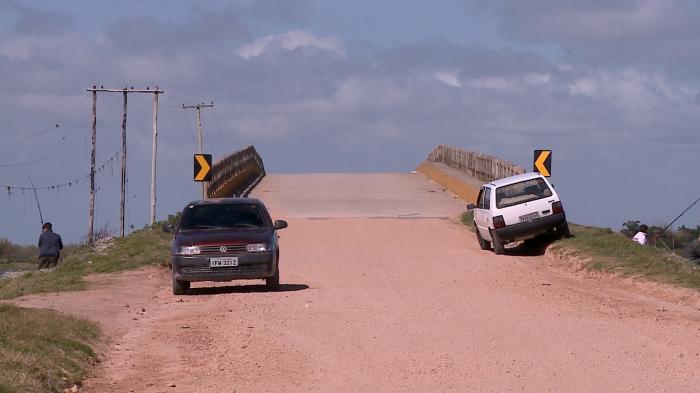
column 449, row 78
column 205, row 27
column 618, row 20
column 311, row 104
column 35, row 22
column 292, row 40
column 280, row 11
column 661, row 33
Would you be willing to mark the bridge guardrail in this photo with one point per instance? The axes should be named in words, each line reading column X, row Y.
column 479, row 166
column 236, row 173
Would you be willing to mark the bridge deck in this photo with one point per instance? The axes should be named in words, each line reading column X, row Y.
column 357, row 195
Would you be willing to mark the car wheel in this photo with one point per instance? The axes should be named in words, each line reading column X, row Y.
column 180, row 287
column 563, row 230
column 273, row 283
column 483, row 244
column 498, row 247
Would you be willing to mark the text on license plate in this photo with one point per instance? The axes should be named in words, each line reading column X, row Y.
column 223, row 261
column 529, row 217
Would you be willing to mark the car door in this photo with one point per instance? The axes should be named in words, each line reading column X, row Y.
column 481, row 214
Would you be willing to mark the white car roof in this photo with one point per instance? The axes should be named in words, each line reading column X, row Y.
column 514, row 179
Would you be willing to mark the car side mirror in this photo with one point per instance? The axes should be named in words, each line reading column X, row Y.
column 279, row 224
column 471, row 206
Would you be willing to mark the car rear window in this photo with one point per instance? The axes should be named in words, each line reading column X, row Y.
column 222, row 216
column 521, row 192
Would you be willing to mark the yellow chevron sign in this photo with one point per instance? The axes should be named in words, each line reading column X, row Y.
column 543, row 162
column 202, row 167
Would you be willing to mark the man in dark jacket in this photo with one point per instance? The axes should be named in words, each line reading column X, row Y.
column 50, row 246
column 692, row 251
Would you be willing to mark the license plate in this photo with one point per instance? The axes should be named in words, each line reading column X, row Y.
column 529, row 217
column 223, row 261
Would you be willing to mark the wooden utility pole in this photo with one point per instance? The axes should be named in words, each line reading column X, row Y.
column 200, row 143
column 153, row 157
column 122, row 204
column 125, row 91
column 91, row 209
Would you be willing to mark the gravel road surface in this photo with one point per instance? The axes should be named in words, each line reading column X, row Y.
column 383, row 291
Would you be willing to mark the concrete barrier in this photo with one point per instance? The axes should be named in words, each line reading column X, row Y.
column 462, row 171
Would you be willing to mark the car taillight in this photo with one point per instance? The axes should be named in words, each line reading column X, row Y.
column 557, row 207
column 498, row 222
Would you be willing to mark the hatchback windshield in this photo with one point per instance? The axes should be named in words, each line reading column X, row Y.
column 524, row 191
column 222, row 216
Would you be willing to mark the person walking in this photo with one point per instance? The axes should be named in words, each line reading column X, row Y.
column 50, row 246
column 641, row 236
column 692, row 250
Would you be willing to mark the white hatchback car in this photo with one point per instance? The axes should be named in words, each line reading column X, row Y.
column 517, row 208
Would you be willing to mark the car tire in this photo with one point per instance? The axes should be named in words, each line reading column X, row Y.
column 180, row 287
column 273, row 283
column 563, row 230
column 483, row 244
column 498, row 247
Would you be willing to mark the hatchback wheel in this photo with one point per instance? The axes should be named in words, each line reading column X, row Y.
column 563, row 230
column 483, row 244
column 498, row 247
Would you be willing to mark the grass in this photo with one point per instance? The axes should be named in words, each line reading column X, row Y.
column 141, row 248
column 467, row 218
column 42, row 350
column 612, row 252
column 45, row 351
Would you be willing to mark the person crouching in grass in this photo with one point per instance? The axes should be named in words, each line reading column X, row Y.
column 50, row 246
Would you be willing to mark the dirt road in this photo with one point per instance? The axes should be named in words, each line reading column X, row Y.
column 384, row 292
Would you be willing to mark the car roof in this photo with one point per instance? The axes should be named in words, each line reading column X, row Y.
column 514, row 179
column 227, row 201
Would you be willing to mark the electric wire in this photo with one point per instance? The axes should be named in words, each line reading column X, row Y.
column 113, row 158
column 218, row 129
column 45, row 130
column 69, row 147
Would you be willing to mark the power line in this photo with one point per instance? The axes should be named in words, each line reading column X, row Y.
column 104, row 117
column 115, row 157
column 45, row 158
column 198, row 108
column 45, row 130
column 193, row 134
column 124, row 91
column 218, row 129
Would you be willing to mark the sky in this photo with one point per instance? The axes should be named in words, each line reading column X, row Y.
column 612, row 87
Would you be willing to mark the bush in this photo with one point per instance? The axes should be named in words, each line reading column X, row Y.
column 12, row 253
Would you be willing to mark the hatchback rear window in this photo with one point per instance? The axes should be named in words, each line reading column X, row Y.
column 221, row 216
column 524, row 191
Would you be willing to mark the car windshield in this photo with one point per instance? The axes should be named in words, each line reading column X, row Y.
column 222, row 216
column 524, row 191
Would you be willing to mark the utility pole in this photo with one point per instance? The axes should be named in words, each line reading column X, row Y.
column 125, row 91
column 200, row 146
column 91, row 209
column 122, row 204
column 153, row 157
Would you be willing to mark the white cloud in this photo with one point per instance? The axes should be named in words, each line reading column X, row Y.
column 292, row 40
column 449, row 78
column 493, row 83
